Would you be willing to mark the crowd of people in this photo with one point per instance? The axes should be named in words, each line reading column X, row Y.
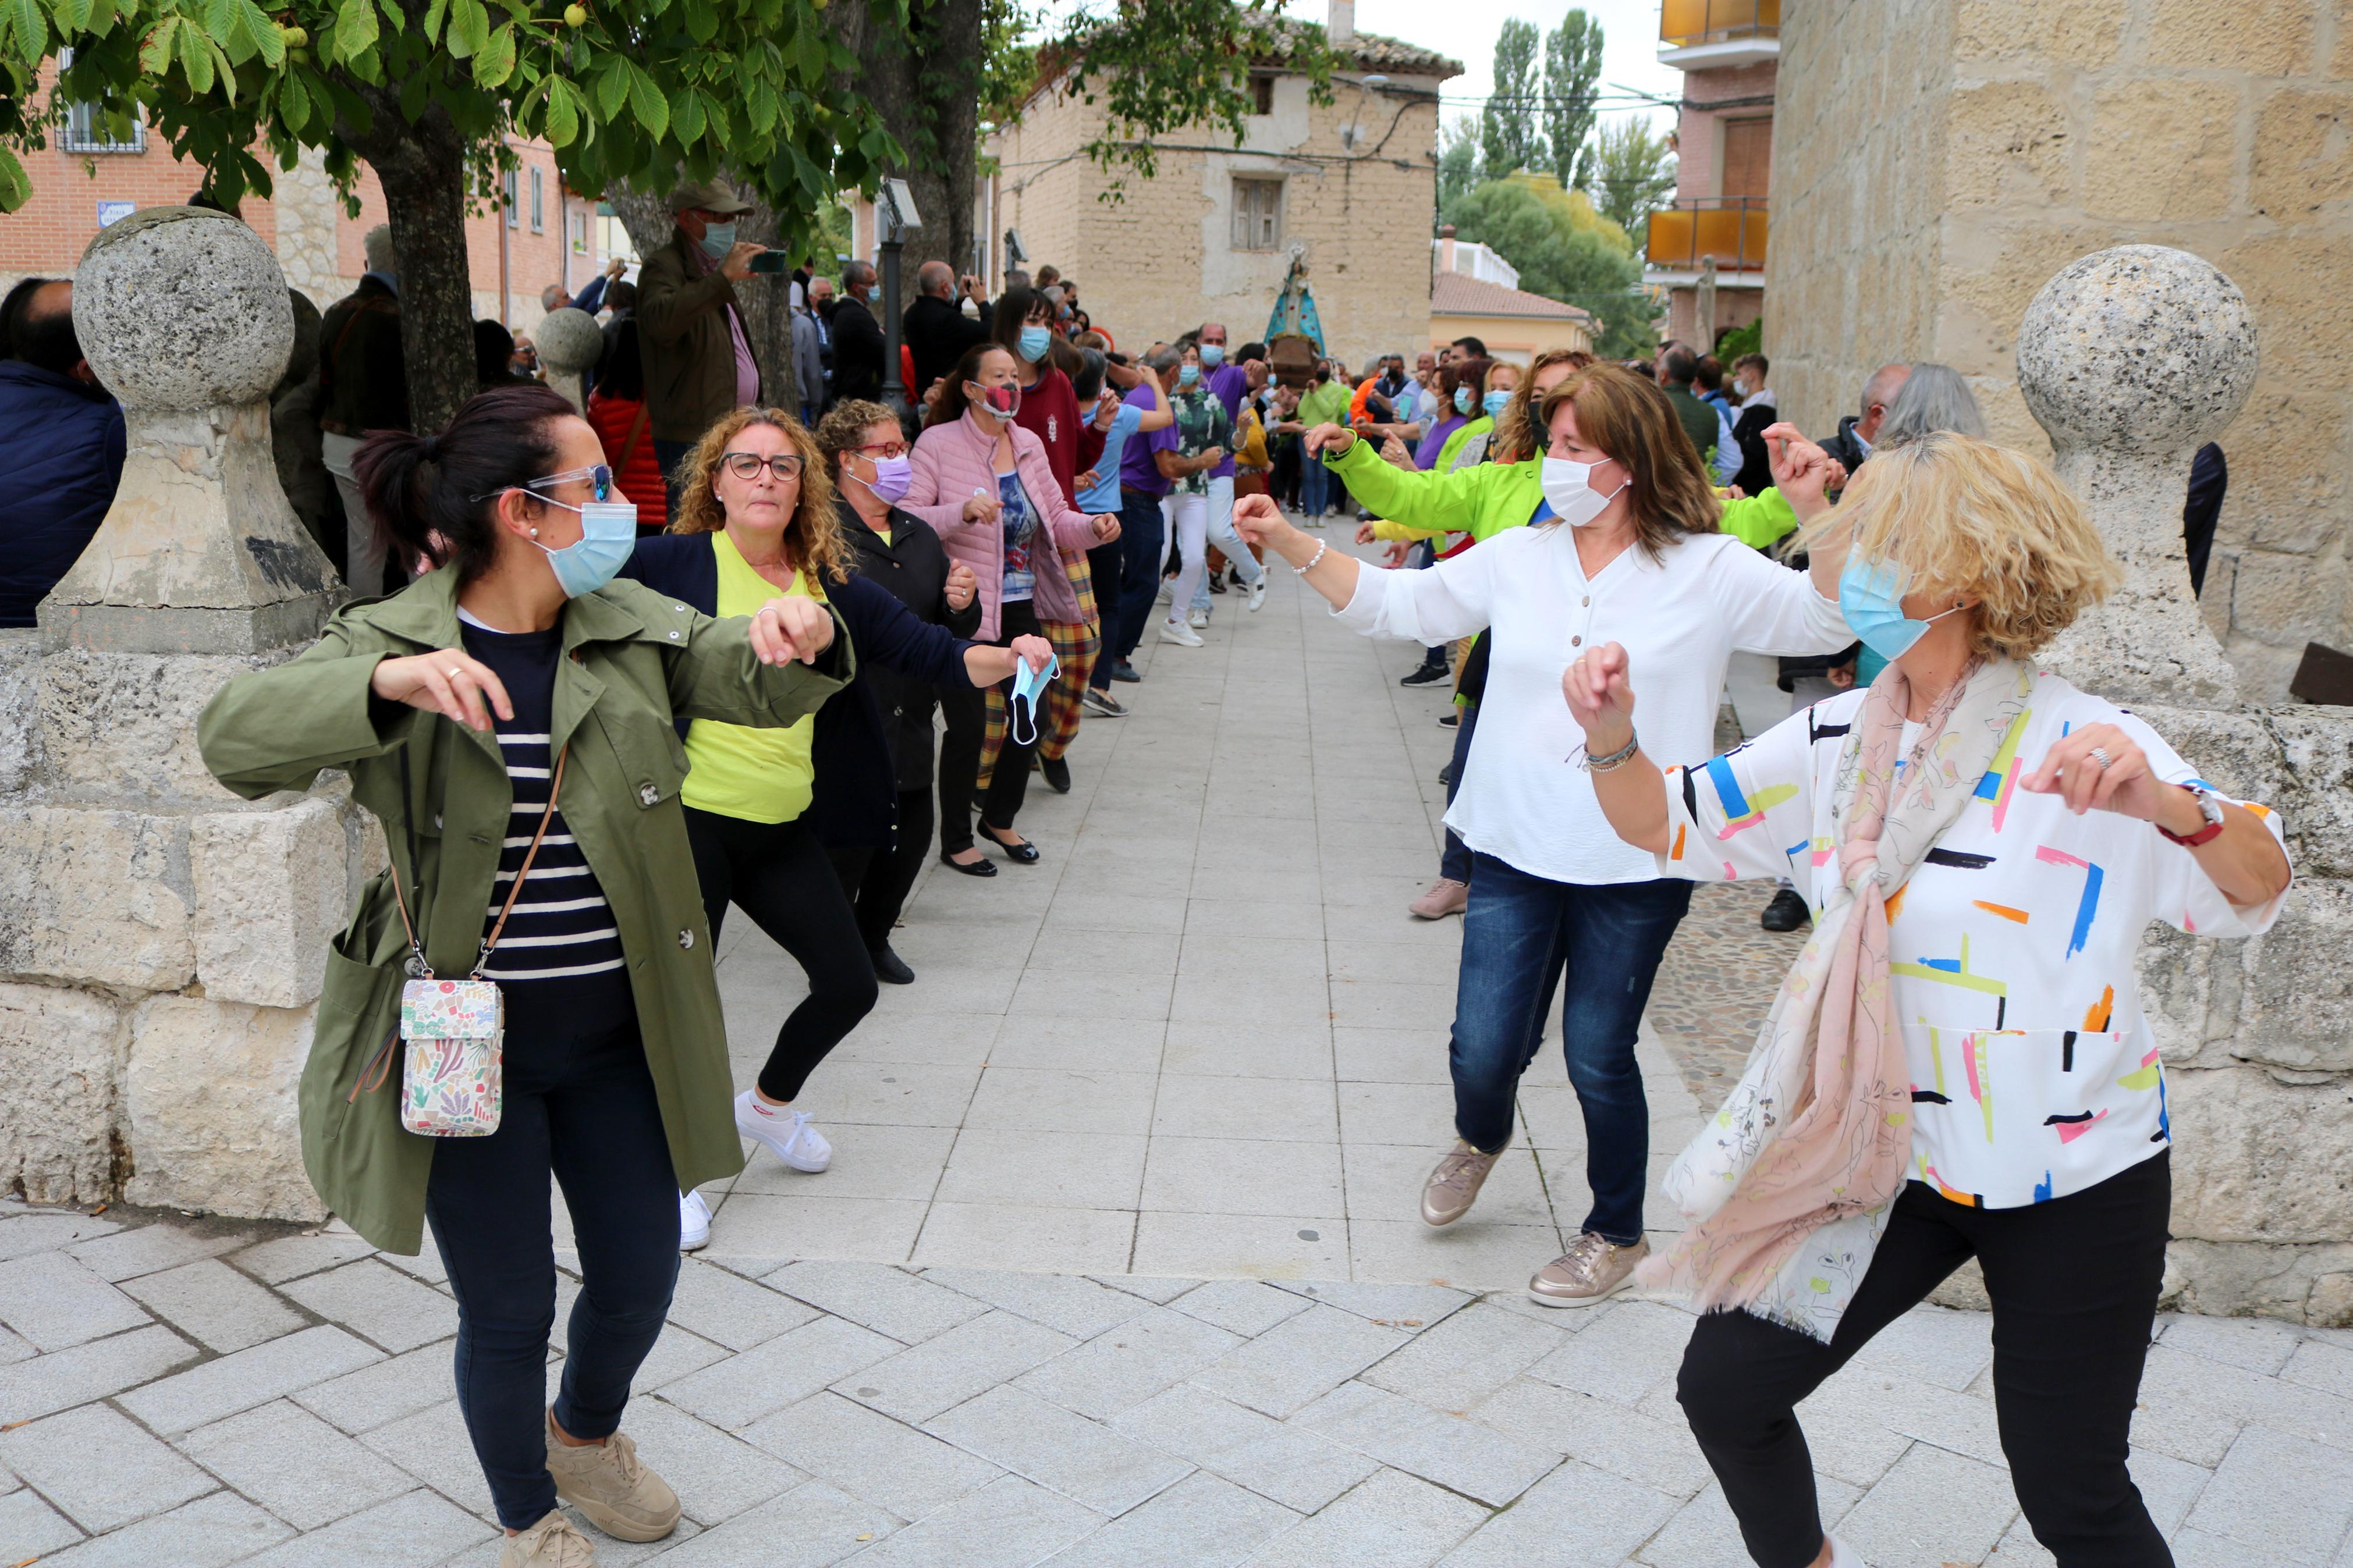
column 684, row 649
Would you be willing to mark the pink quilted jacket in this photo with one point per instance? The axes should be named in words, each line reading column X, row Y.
column 951, row 462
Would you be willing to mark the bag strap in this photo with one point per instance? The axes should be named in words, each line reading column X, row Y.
column 490, row 942
column 637, row 432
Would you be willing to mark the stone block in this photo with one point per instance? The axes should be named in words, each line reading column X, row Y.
column 100, row 1468
column 61, row 1054
column 2300, row 985
column 20, row 734
column 209, row 1103
column 122, row 727
column 2316, row 798
column 271, row 890
column 2008, row 143
column 2033, row 31
column 2260, row 1160
column 2309, row 1284
column 2262, row 38
column 95, row 896
column 2303, row 154
column 2162, row 148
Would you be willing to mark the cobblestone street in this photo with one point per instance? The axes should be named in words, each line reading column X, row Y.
column 1118, row 1261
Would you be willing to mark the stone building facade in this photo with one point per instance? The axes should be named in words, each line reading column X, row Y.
column 1351, row 186
column 1936, row 160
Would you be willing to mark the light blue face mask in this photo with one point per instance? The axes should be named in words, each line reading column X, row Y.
column 1213, row 354
column 1461, row 400
column 1035, row 342
column 1186, row 374
column 608, row 532
column 1870, row 600
column 1028, row 687
column 718, row 239
column 1495, row 403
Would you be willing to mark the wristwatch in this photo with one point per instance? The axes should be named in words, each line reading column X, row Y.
column 2208, row 808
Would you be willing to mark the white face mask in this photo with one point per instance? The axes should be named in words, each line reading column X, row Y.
column 1569, row 492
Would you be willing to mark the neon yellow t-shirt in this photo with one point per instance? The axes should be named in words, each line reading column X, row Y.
column 737, row 770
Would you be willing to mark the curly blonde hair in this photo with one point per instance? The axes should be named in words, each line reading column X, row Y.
column 1963, row 516
column 813, row 541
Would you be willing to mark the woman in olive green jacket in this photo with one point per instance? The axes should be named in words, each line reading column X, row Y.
column 517, row 670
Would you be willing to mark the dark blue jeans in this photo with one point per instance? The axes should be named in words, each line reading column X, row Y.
column 1141, row 528
column 584, row 1108
column 1455, row 863
column 1520, row 935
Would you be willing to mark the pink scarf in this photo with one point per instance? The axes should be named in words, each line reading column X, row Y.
column 1788, row 1185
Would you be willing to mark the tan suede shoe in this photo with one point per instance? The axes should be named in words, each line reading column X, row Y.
column 552, row 1543
column 1453, row 1187
column 607, row 1482
column 1590, row 1271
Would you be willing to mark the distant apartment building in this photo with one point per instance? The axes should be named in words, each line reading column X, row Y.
column 1729, row 52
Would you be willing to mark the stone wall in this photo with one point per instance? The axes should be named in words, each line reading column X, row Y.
column 1935, row 161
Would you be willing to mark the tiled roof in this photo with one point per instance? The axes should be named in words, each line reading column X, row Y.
column 1370, row 51
column 1460, row 294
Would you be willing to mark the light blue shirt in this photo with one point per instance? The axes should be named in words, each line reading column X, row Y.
column 1104, row 494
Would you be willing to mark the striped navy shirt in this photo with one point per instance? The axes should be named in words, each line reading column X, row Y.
column 562, row 929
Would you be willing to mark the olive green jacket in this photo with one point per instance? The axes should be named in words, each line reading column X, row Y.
column 636, row 662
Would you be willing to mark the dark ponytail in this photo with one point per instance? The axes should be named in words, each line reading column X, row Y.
column 419, row 490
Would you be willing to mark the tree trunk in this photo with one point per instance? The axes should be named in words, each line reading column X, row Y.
column 925, row 85
column 766, row 297
column 422, row 168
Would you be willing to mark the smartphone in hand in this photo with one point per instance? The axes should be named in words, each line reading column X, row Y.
column 772, row 261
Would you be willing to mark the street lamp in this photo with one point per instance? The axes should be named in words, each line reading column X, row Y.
column 1354, row 132
column 894, row 218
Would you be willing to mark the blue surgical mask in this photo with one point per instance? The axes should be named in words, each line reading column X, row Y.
column 1495, row 403
column 1461, row 400
column 718, row 239
column 1028, row 687
column 1035, row 342
column 1186, row 374
column 1213, row 354
column 608, row 532
column 1871, row 601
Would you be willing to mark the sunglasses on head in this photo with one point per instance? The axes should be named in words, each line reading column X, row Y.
column 598, row 475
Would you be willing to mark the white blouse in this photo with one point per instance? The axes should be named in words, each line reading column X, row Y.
column 1524, row 797
column 2034, row 1074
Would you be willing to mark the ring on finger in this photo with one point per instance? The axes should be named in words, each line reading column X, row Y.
column 2099, row 754
column 454, row 671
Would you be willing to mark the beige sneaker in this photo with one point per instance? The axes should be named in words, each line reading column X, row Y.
column 1454, row 1185
column 1590, row 1270
column 607, row 1482
column 1443, row 898
column 552, row 1543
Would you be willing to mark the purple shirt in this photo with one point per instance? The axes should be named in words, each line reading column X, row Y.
column 1426, row 454
column 1137, row 469
column 1229, row 384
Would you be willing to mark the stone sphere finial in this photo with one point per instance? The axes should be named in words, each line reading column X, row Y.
column 180, row 309
column 568, row 341
column 2137, row 348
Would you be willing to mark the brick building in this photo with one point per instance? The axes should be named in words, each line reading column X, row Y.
column 1729, row 52
column 81, row 182
column 1351, row 187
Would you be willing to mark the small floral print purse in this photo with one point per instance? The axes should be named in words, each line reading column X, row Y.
column 452, row 1031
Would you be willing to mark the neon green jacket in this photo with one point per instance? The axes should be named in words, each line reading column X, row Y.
column 1484, row 499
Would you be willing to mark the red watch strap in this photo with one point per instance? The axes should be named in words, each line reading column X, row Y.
column 2190, row 840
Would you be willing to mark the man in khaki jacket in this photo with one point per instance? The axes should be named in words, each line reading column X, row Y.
column 698, row 357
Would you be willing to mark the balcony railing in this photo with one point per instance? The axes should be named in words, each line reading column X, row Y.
column 1689, row 24
column 1729, row 228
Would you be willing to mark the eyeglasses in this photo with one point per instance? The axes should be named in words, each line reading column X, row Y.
column 747, row 465
column 888, row 449
column 598, row 475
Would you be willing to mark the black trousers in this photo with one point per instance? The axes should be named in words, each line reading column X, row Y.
column 960, row 747
column 777, row 873
column 878, row 881
column 2074, row 1283
column 583, row 1107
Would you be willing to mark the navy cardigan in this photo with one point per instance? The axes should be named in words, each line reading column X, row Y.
column 856, row 795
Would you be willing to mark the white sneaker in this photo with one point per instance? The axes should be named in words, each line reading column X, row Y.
column 1198, row 620
column 1181, row 635
column 1167, row 593
column 693, row 1223
column 785, row 1133
column 1844, row 1556
column 1258, row 593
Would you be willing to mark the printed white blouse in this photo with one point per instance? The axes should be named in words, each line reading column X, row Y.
column 2034, row 1073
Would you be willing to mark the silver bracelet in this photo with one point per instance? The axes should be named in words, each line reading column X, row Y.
column 1321, row 546
column 1616, row 759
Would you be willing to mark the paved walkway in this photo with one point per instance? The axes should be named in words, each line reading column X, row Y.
column 1117, row 1263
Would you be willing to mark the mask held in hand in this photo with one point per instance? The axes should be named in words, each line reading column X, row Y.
column 1029, row 687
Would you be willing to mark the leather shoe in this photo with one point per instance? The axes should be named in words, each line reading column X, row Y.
column 981, row 867
column 1786, row 912
column 1058, row 772
column 1426, row 675
column 1015, row 849
column 1125, row 671
column 888, row 967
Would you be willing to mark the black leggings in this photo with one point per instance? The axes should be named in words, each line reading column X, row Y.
column 960, row 747
column 777, row 873
column 584, row 1109
column 2074, row 1283
column 877, row 881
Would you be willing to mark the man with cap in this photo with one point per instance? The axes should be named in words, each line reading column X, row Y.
column 698, row 357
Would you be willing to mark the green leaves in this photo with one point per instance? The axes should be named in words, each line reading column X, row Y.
column 565, row 107
column 495, row 61
column 355, row 28
column 647, row 103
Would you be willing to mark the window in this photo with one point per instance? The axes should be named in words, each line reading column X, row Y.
column 1258, row 215
column 86, row 129
column 1261, row 92
column 538, row 204
column 507, row 197
column 580, row 233
column 1747, row 157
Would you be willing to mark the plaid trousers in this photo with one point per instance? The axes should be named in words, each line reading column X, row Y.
column 1075, row 646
